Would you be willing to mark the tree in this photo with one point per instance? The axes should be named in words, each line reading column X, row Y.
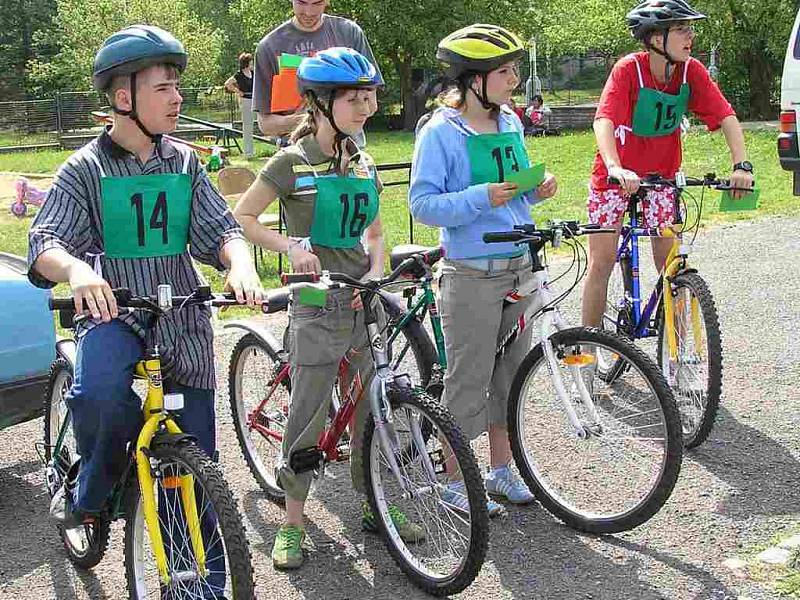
column 81, row 25
column 752, row 37
column 20, row 21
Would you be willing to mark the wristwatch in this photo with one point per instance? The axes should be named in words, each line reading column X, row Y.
column 745, row 165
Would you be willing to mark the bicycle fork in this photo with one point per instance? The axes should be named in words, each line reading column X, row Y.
column 151, row 369
column 553, row 321
column 674, row 265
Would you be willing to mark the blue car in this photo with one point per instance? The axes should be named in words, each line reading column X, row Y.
column 27, row 343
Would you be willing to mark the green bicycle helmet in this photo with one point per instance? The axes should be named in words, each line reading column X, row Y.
column 131, row 50
column 477, row 50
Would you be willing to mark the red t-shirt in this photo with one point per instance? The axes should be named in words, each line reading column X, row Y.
column 661, row 154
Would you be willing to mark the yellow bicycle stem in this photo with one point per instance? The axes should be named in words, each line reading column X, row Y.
column 154, row 415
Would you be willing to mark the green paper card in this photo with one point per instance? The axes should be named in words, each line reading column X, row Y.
column 311, row 295
column 747, row 202
column 289, row 61
column 529, row 178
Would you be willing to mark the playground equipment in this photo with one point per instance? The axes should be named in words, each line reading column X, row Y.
column 26, row 194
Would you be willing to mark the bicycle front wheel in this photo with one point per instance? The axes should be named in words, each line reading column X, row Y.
column 226, row 571
column 259, row 389
column 85, row 544
column 695, row 374
column 621, row 469
column 449, row 510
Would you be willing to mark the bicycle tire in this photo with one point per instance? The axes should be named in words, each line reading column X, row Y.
column 559, row 497
column 256, row 448
column 412, row 337
column 86, row 544
column 143, row 581
column 696, row 431
column 380, row 480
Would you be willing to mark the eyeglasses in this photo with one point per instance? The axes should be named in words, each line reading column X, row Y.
column 683, row 29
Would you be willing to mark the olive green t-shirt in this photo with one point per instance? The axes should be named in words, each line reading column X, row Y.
column 291, row 172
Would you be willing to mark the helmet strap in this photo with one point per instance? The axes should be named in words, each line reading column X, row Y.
column 340, row 136
column 154, row 137
column 483, row 95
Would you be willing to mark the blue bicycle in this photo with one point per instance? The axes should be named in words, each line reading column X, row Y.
column 680, row 311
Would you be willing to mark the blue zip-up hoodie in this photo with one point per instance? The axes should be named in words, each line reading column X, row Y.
column 441, row 195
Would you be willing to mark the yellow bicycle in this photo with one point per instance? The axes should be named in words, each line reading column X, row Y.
column 184, row 537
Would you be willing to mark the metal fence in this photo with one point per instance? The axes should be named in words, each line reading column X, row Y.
column 65, row 121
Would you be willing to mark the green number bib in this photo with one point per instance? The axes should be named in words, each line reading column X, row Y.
column 492, row 156
column 657, row 113
column 344, row 208
column 146, row 215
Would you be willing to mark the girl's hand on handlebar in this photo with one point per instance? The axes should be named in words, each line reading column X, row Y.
column 741, row 179
column 245, row 284
column 303, row 261
column 628, row 180
column 548, row 188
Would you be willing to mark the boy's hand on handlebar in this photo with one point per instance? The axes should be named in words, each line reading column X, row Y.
column 628, row 180
column 741, row 179
column 548, row 188
column 500, row 193
column 90, row 288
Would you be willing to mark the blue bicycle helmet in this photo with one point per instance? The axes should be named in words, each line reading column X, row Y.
column 131, row 50
column 336, row 68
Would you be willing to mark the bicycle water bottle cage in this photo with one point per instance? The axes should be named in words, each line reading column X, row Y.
column 306, row 459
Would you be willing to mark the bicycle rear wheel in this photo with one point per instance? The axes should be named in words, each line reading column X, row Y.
column 455, row 523
column 617, row 318
column 696, row 374
column 85, row 544
column 623, row 471
column 259, row 387
column 228, row 572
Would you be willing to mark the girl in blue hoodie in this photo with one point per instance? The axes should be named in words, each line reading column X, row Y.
column 457, row 184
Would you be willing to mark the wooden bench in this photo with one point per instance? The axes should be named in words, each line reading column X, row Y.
column 570, row 117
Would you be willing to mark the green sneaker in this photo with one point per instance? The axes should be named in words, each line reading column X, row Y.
column 287, row 552
column 410, row 533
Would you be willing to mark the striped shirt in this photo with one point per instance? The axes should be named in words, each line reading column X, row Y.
column 71, row 219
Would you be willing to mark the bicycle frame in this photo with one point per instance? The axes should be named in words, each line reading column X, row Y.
column 675, row 263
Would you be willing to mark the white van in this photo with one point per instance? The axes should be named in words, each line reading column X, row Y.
column 788, row 151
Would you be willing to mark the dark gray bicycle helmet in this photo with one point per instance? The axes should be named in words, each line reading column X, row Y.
column 658, row 15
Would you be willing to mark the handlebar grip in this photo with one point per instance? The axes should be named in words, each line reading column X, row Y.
column 432, row 256
column 494, row 237
column 61, row 303
column 290, row 278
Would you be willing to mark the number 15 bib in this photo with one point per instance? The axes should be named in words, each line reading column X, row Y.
column 657, row 113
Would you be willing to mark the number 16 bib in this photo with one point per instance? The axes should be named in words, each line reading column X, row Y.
column 344, row 208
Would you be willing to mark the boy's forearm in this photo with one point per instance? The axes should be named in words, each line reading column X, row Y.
column 732, row 130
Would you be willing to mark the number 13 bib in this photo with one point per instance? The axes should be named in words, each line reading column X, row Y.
column 492, row 156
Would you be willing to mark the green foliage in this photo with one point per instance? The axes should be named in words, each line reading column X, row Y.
column 20, row 22
column 81, row 26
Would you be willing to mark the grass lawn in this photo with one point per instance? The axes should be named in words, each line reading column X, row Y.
column 568, row 156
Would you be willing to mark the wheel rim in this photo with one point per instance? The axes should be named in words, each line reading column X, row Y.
column 255, row 372
column 688, row 375
column 187, row 582
column 448, row 532
column 82, row 538
column 616, row 469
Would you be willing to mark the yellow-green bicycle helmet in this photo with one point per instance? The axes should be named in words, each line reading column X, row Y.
column 478, row 49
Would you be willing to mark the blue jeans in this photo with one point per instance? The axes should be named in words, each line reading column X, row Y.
column 107, row 415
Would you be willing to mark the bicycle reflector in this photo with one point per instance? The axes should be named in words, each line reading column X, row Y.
column 581, row 359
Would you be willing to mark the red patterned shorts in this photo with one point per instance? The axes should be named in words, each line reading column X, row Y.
column 607, row 207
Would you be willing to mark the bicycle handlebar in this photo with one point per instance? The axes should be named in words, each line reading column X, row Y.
column 202, row 295
column 428, row 258
column 708, row 180
column 529, row 233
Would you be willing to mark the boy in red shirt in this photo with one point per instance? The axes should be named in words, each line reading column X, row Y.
column 638, row 130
